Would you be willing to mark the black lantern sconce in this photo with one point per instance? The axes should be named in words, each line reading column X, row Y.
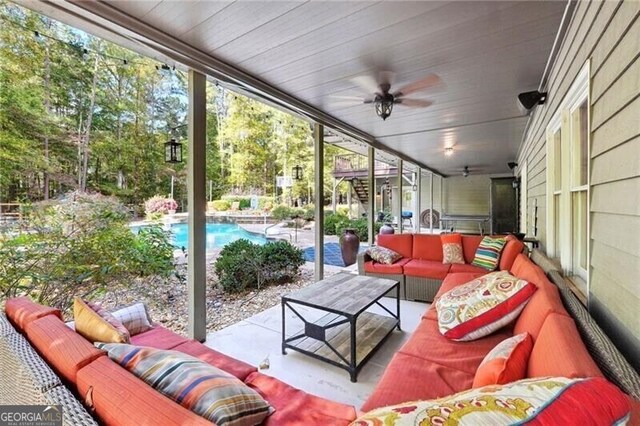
column 296, row 171
column 173, row 151
column 384, row 105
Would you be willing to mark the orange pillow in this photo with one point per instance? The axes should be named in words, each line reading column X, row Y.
column 96, row 324
column 452, row 248
column 506, row 363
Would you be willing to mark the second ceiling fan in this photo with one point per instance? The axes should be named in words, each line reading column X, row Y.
column 383, row 98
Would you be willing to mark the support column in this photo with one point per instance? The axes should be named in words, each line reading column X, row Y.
column 333, row 195
column 418, row 201
column 349, row 197
column 318, row 152
column 431, row 203
column 371, row 186
column 399, row 196
column 196, row 199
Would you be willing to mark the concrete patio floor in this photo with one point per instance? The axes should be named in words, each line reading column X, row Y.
column 259, row 337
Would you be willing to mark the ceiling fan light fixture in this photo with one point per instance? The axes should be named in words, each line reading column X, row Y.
column 448, row 151
column 384, row 105
column 465, row 171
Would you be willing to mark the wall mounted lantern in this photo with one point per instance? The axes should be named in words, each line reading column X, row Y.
column 173, row 151
column 296, row 171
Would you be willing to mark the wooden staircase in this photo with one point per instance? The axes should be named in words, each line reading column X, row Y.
column 361, row 190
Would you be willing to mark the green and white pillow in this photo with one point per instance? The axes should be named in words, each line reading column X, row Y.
column 488, row 253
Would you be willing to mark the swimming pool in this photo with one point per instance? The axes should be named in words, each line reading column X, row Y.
column 218, row 235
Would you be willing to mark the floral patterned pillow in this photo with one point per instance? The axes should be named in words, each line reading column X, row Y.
column 452, row 248
column 482, row 306
column 540, row 400
column 383, row 255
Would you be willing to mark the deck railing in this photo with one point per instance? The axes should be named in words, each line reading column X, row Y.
column 345, row 163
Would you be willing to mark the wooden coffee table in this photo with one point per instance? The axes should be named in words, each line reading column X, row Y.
column 348, row 335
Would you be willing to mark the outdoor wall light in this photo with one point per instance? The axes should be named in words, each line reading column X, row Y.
column 448, row 151
column 384, row 105
column 296, row 171
column 172, row 151
column 531, row 99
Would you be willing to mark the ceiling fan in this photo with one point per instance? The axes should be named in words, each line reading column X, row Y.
column 383, row 98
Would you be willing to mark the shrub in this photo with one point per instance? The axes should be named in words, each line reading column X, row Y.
column 361, row 228
column 245, row 201
column 281, row 212
column 78, row 245
column 221, row 205
column 157, row 205
column 332, row 221
column 309, row 212
column 242, row 265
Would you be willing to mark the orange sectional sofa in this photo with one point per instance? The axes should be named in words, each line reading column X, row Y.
column 431, row 366
column 421, row 272
column 117, row 397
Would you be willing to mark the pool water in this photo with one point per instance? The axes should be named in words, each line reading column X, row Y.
column 218, row 235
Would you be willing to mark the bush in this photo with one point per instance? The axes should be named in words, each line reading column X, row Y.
column 157, row 205
column 332, row 221
column 361, row 228
column 79, row 245
column 309, row 212
column 281, row 212
column 242, row 265
column 245, row 201
column 221, row 205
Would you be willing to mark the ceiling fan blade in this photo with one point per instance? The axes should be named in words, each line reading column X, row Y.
column 346, row 98
column 414, row 103
column 366, row 83
column 429, row 81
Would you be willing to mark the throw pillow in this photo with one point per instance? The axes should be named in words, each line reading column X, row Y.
column 200, row 387
column 482, row 306
column 96, row 324
column 383, row 255
column 507, row 362
column 540, row 401
column 488, row 253
column 135, row 318
column 452, row 248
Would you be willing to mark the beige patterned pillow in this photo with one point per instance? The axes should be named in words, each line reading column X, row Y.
column 452, row 248
column 383, row 255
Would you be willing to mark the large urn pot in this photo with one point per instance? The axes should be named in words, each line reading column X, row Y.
column 349, row 245
column 387, row 229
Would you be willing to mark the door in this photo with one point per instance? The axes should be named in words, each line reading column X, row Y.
column 504, row 206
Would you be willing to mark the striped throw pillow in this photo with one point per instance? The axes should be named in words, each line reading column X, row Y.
column 200, row 387
column 488, row 253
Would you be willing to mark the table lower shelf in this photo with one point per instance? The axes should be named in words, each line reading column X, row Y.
column 371, row 330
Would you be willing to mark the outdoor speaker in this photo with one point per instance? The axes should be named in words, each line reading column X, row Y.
column 530, row 99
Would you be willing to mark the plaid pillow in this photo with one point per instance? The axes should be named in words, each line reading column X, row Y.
column 383, row 255
column 134, row 318
column 488, row 253
column 200, row 387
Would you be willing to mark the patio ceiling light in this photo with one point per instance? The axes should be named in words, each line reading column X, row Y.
column 384, row 105
column 448, row 151
column 173, row 151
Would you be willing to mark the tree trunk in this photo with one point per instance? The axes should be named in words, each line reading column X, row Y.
column 47, row 107
column 87, row 135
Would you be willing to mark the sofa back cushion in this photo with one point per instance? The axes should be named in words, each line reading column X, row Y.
column 400, row 243
column 470, row 244
column 559, row 351
column 120, row 398
column 427, row 247
column 21, row 311
column 510, row 251
column 63, row 349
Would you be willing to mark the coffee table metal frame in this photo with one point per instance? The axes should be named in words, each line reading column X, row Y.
column 319, row 331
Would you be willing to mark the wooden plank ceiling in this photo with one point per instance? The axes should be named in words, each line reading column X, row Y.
column 485, row 53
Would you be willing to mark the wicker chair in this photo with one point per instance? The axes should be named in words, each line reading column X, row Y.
column 28, row 380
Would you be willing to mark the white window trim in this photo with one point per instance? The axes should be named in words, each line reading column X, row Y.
column 524, row 213
column 576, row 95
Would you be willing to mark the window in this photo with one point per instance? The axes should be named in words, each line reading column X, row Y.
column 568, row 182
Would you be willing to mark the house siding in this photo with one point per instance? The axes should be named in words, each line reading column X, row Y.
column 607, row 34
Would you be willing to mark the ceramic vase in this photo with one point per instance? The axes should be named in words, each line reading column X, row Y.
column 349, row 245
column 387, row 229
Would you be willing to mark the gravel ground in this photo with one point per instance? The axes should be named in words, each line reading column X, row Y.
column 166, row 299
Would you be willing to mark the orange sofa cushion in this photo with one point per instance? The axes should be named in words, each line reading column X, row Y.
column 510, row 251
column 224, row 362
column 505, row 363
column 428, row 343
column 524, row 268
column 427, row 247
column 427, row 269
column 559, row 351
column 455, row 268
column 470, row 244
column 120, row 398
column 382, row 268
column 400, row 243
column 158, row 337
column 408, row 378
column 544, row 302
column 22, row 310
column 294, row 407
column 63, row 349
